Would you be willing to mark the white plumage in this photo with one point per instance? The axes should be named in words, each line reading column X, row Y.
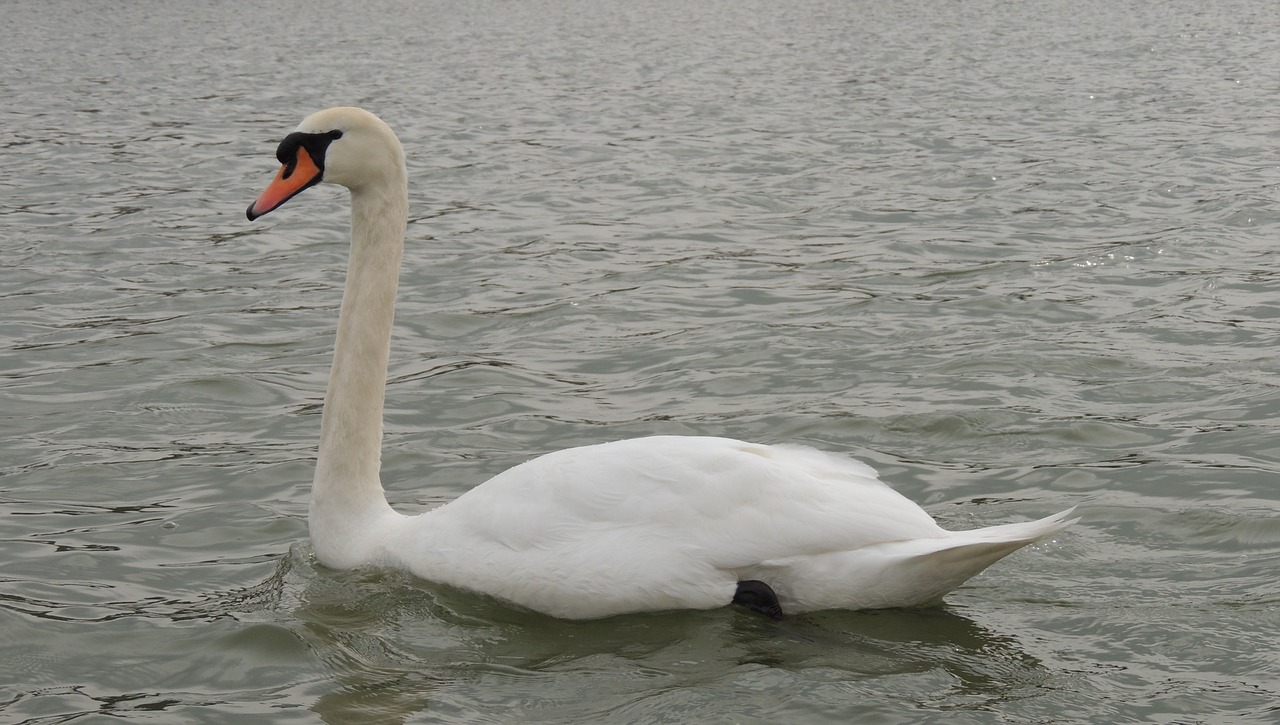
column 645, row 524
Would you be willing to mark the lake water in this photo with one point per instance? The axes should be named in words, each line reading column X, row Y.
column 1019, row 256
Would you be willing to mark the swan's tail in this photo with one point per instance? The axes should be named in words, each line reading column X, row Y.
column 906, row 573
column 1018, row 535
column 922, row 571
column 954, row 560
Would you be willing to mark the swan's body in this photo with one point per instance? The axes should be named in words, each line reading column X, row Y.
column 645, row 524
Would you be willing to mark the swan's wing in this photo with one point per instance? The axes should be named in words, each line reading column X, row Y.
column 723, row 502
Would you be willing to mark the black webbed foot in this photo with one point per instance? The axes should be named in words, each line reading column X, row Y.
column 758, row 597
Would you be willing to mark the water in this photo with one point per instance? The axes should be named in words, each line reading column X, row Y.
column 1018, row 256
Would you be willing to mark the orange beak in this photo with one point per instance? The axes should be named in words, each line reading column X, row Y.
column 294, row 177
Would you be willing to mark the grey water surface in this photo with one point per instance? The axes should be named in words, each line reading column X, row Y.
column 1019, row 256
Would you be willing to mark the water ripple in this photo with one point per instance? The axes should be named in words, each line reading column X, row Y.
column 1016, row 257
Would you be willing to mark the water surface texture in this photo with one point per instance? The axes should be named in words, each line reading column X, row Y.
column 1019, row 256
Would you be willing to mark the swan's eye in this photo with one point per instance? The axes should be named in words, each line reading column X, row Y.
column 334, row 135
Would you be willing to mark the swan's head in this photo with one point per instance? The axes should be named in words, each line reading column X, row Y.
column 344, row 145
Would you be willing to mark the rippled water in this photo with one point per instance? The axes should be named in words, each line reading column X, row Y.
column 1018, row 256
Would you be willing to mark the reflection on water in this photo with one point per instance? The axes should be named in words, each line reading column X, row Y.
column 1016, row 257
column 625, row 669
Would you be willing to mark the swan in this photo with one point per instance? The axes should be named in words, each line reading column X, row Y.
column 656, row 523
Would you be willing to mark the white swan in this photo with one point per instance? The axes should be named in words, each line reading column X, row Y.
column 646, row 524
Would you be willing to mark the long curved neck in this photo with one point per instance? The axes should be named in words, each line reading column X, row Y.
column 347, row 487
